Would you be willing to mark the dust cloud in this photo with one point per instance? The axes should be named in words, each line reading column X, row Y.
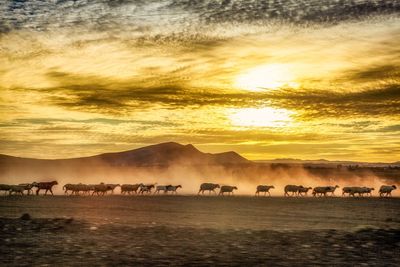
column 245, row 177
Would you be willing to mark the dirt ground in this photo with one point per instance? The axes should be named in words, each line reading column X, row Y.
column 201, row 231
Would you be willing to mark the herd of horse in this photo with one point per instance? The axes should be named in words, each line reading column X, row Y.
column 21, row 188
column 126, row 189
column 140, row 188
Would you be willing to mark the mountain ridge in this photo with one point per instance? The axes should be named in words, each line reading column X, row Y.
column 154, row 155
column 169, row 152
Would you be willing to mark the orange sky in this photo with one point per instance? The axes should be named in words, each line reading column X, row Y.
column 93, row 77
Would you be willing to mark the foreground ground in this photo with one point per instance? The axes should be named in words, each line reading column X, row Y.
column 186, row 230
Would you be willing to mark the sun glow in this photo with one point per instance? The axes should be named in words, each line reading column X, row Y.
column 260, row 117
column 266, row 77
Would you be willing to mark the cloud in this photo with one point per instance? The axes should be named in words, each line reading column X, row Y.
column 113, row 75
column 390, row 128
column 310, row 103
column 178, row 14
column 99, row 94
column 384, row 101
column 376, row 73
column 109, row 96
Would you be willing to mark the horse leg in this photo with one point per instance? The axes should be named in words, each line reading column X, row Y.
column 37, row 191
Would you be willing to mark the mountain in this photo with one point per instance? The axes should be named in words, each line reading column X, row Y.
column 163, row 154
column 230, row 157
column 167, row 162
column 291, row 161
column 166, row 154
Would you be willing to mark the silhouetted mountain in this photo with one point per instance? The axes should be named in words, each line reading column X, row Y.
column 230, row 157
column 163, row 154
column 291, row 161
column 156, row 155
column 172, row 161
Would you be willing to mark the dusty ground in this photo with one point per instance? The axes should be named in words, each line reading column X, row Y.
column 187, row 230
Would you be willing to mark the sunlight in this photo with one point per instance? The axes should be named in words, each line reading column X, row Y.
column 260, row 117
column 266, row 77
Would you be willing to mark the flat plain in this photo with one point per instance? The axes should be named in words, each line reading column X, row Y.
column 196, row 230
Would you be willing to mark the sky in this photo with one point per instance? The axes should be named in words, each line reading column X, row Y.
column 304, row 79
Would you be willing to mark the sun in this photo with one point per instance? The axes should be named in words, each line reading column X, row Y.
column 260, row 117
column 266, row 77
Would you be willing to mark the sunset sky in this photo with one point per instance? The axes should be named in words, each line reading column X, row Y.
column 267, row 79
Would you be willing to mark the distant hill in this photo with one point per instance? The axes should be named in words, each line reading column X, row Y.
column 327, row 162
column 166, row 154
column 171, row 161
column 163, row 154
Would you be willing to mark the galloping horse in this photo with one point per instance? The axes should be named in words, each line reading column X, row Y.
column 45, row 186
